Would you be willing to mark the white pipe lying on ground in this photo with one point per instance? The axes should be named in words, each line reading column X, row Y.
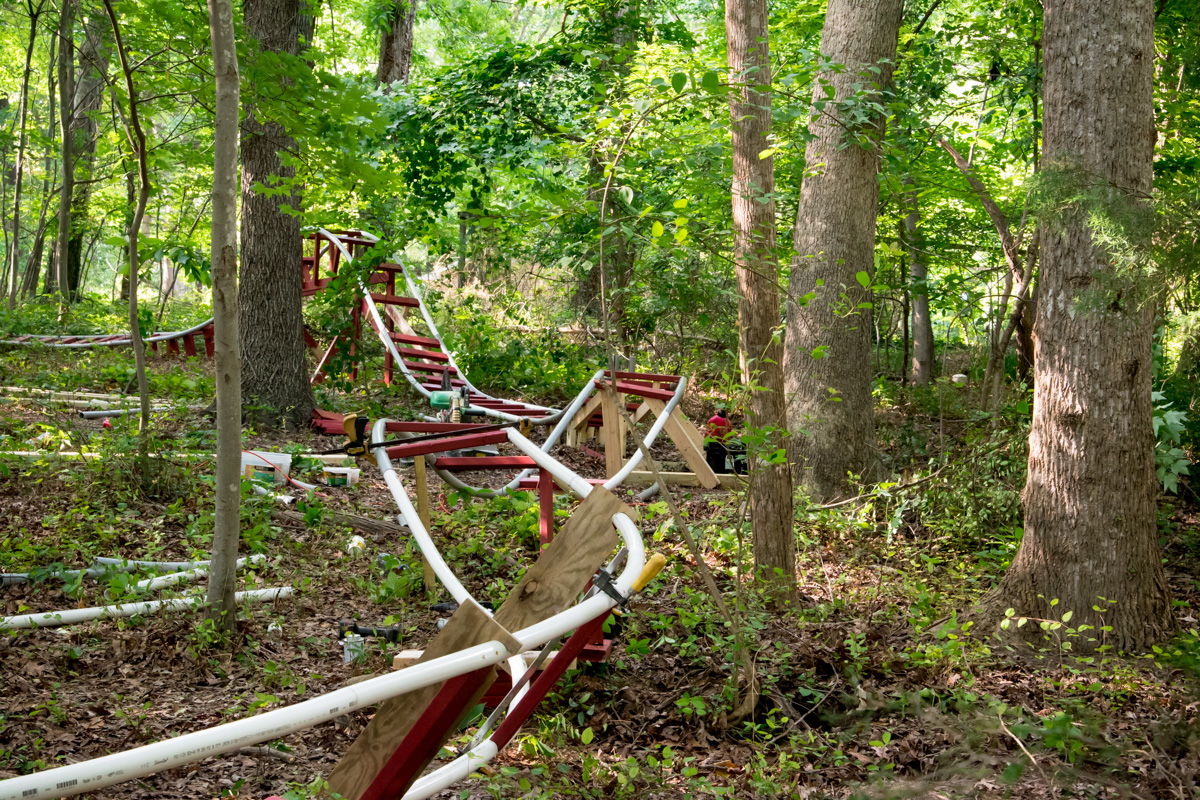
column 135, row 564
column 184, row 577
column 89, row 776
column 73, row 616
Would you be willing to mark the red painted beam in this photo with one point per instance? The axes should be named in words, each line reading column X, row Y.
column 395, row 300
column 448, row 443
column 645, row 376
column 546, row 679
column 428, row 427
column 475, row 463
column 413, row 352
column 425, row 739
column 420, row 366
column 639, row 391
column 404, row 337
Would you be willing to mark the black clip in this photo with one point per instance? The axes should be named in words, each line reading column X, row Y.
column 345, row 626
column 605, row 583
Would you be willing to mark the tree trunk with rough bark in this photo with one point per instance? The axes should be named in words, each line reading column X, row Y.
column 227, row 524
column 1090, row 519
column 753, row 192
column 14, row 254
column 827, row 358
column 275, row 387
column 922, row 322
column 396, row 44
column 87, row 98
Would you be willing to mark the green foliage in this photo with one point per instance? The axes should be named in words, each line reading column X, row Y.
column 1170, row 460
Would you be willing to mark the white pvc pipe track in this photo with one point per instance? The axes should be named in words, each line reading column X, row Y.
column 73, row 616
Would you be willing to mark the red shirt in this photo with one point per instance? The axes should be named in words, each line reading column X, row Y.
column 719, row 428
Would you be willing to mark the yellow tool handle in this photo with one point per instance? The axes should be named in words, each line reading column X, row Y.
column 652, row 568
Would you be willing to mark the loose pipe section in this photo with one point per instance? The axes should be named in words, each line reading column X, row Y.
column 73, row 616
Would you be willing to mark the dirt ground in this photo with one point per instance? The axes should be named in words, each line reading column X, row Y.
column 854, row 702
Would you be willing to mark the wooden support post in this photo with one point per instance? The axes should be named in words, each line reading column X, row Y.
column 423, row 513
column 545, row 507
column 614, row 449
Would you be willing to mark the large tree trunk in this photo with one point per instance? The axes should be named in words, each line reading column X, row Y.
column 922, row 322
column 827, row 363
column 88, row 96
column 270, row 324
column 396, row 44
column 1090, row 533
column 753, row 193
column 227, row 524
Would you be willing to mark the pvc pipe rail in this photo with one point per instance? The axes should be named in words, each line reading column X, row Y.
column 73, row 616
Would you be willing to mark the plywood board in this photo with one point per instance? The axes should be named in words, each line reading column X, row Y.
column 564, row 568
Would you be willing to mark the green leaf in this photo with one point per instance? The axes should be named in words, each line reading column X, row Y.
column 710, row 82
column 680, row 203
column 1067, row 616
column 864, row 280
column 587, row 736
column 657, row 229
column 678, row 81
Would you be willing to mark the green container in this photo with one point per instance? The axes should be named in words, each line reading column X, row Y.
column 441, row 399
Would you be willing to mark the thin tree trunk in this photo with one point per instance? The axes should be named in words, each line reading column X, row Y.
column 1091, row 538
column 87, row 98
column 923, row 356
column 271, row 325
column 33, row 269
column 137, row 141
column 55, row 278
column 1019, row 275
column 22, row 116
column 827, row 363
column 396, row 44
column 66, row 93
column 227, row 523
column 753, row 190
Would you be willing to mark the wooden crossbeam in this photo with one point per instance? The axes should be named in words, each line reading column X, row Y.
column 689, row 441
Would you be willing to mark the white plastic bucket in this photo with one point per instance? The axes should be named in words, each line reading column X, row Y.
column 264, row 467
column 341, row 476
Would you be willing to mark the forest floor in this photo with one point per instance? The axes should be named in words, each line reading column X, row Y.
column 870, row 685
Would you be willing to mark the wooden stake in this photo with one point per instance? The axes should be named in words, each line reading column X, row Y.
column 423, row 513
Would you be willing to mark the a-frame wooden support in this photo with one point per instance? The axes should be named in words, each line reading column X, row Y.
column 687, row 438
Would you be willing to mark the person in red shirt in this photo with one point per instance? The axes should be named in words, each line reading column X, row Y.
column 717, row 436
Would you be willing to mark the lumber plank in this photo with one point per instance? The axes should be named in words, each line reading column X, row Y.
column 645, row 478
column 370, row 752
column 689, row 441
column 614, row 442
column 566, row 565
